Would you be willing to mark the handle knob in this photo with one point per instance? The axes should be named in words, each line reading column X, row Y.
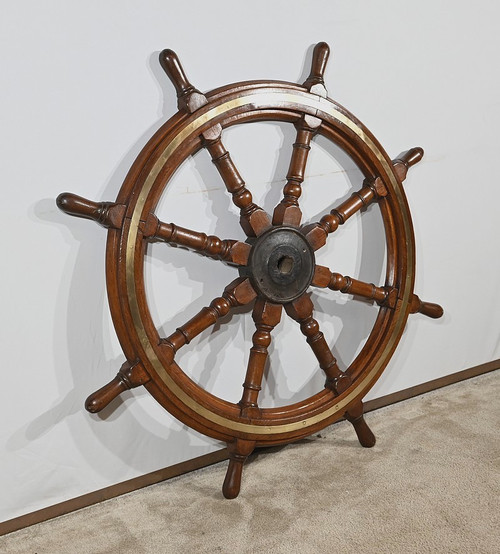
column 173, row 68
column 107, row 214
column 431, row 310
column 426, row 308
column 315, row 83
column 78, row 206
column 189, row 98
column 407, row 159
column 102, row 397
column 411, row 156
column 320, row 56
column 129, row 376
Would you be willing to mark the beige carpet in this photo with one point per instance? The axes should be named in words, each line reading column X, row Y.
column 431, row 484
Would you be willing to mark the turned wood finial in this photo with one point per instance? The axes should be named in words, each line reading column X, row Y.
column 411, row 156
column 407, row 159
column 189, row 98
column 107, row 214
column 320, row 57
column 129, row 376
column 173, row 68
column 102, row 397
column 355, row 415
column 239, row 450
column 315, row 82
column 425, row 308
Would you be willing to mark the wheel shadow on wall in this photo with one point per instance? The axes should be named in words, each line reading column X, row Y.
column 82, row 304
column 86, row 350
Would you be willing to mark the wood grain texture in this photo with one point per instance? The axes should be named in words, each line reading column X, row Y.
column 237, row 293
column 132, row 224
column 253, row 219
column 287, row 212
column 131, row 375
column 107, row 214
column 266, row 316
column 231, row 251
column 371, row 191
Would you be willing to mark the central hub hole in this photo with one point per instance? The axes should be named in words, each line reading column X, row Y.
column 285, row 265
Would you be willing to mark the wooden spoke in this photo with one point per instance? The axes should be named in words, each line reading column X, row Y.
column 384, row 296
column 231, row 251
column 301, row 310
column 237, row 293
column 287, row 212
column 371, row 191
column 253, row 219
column 266, row 316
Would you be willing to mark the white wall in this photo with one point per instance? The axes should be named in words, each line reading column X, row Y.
column 81, row 93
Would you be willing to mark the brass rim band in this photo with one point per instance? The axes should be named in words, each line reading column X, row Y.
column 268, row 98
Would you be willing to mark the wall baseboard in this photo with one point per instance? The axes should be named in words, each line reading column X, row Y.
column 160, row 475
column 428, row 386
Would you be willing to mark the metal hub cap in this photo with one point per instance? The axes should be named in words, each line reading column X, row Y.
column 281, row 264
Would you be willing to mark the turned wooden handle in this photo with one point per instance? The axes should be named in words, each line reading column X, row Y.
column 107, row 214
column 411, row 156
column 173, row 68
column 78, row 206
column 426, row 308
column 131, row 375
column 320, row 56
column 365, row 435
column 101, row 398
column 431, row 310
column 407, row 159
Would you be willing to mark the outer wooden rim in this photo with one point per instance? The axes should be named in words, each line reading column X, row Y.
column 176, row 140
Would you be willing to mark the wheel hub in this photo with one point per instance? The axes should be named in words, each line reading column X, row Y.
column 281, row 264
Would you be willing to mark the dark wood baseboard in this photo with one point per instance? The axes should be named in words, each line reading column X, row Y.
column 435, row 384
column 113, row 491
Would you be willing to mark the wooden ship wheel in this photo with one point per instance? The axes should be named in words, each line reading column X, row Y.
column 275, row 262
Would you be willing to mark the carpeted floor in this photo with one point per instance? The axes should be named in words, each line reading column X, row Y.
column 431, row 484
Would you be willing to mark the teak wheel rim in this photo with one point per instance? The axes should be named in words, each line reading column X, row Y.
column 180, row 138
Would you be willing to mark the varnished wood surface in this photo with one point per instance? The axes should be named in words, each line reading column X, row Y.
column 266, row 316
column 132, row 224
